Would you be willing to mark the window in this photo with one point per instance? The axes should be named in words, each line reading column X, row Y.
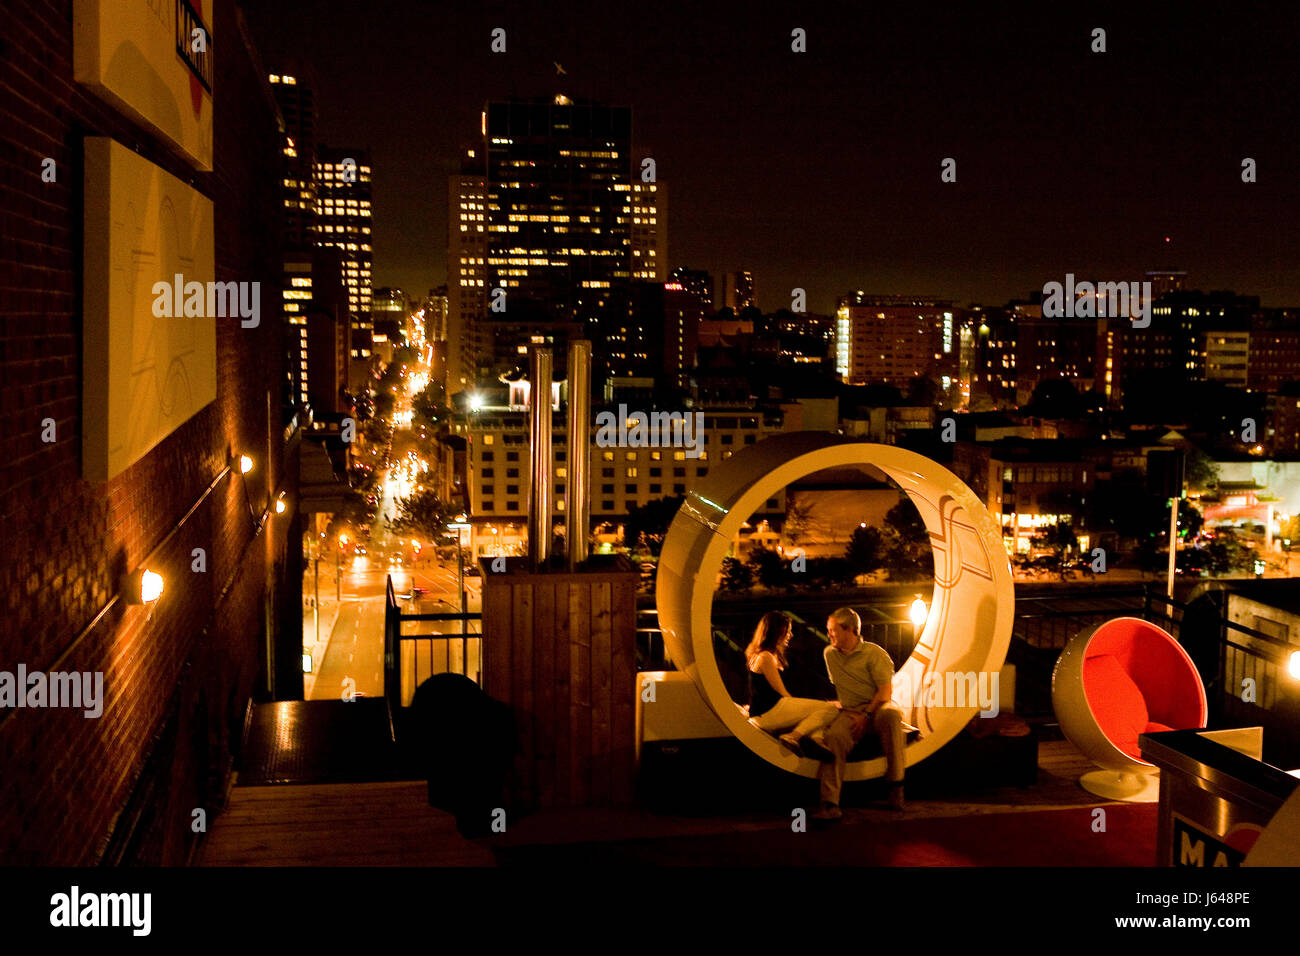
column 679, row 456
column 749, row 439
column 630, row 472
column 771, row 502
column 559, row 456
column 656, row 489
column 512, row 489
column 679, row 472
column 656, row 472
column 629, row 489
column 607, row 472
column 559, row 489
column 607, row 456
column 656, row 455
column 512, row 472
column 728, row 439
column 561, row 473
column 607, row 489
column 512, row 506
column 486, row 490
column 629, row 456
column 512, row 456
column 487, row 473
column 607, row 506
column 489, row 439
column 702, row 472
column 488, row 506
column 679, row 489
column 487, row 456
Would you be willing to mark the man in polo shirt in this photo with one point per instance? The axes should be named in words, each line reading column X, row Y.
column 863, row 677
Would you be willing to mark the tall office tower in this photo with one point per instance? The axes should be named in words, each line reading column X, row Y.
column 738, row 290
column 649, row 230
column 294, row 91
column 435, row 307
column 467, row 245
column 316, row 316
column 988, row 357
column 343, row 220
column 1166, row 280
column 892, row 339
column 697, row 281
column 559, row 225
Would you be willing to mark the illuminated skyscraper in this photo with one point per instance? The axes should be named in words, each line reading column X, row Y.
column 738, row 290
column 343, row 223
column 542, row 232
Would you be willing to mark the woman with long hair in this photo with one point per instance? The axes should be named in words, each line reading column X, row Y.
column 771, row 707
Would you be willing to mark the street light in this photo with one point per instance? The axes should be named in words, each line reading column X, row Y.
column 245, row 464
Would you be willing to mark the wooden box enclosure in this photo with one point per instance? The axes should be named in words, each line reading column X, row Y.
column 560, row 649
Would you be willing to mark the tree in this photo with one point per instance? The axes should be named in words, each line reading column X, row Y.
column 646, row 525
column 1056, row 398
column 769, row 567
column 736, row 576
column 798, row 518
column 1201, row 472
column 1061, row 537
column 430, row 405
column 910, row 545
column 868, row 550
column 923, row 390
column 422, row 514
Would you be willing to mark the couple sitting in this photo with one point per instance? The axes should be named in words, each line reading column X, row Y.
column 863, row 677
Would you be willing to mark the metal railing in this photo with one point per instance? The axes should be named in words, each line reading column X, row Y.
column 461, row 653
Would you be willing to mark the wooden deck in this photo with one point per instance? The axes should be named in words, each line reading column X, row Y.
column 391, row 823
column 337, row 824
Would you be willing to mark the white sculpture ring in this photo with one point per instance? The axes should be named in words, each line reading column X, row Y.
column 968, row 628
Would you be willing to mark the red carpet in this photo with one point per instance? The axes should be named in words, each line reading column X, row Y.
column 1038, row 838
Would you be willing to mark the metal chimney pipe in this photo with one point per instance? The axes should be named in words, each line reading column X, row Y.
column 577, row 489
column 539, row 428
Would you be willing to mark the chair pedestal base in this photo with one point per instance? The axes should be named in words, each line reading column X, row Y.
column 1129, row 787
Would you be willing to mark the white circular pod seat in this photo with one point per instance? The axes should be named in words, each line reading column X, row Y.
column 968, row 627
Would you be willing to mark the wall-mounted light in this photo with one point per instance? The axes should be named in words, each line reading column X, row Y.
column 142, row 586
column 280, row 504
column 1293, row 665
column 245, row 464
column 918, row 612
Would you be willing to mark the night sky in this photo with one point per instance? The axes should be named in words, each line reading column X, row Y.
column 822, row 169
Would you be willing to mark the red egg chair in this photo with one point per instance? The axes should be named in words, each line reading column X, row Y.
column 1120, row 679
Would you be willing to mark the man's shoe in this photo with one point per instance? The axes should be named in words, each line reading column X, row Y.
column 829, row 811
column 896, row 797
column 792, row 742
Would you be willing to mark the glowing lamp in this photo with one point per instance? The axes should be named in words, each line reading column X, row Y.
column 918, row 613
column 245, row 464
column 280, row 504
column 1293, row 665
column 142, row 587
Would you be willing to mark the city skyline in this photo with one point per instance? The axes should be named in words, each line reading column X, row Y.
column 805, row 194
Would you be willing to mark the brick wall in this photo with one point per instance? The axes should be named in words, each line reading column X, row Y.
column 177, row 674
